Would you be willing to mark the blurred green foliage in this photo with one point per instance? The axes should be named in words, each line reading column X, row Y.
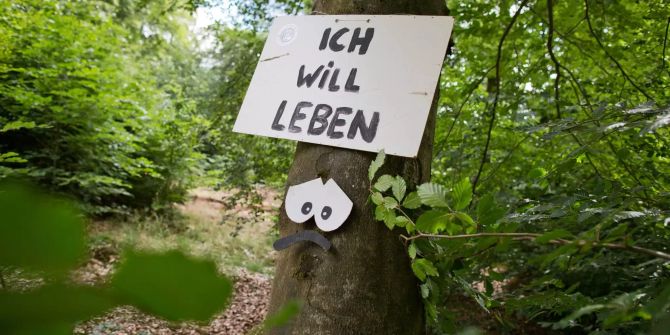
column 43, row 234
column 171, row 285
column 117, row 104
column 39, row 232
column 94, row 100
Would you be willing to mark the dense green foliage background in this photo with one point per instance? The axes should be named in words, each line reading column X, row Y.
column 553, row 120
column 553, row 126
column 114, row 103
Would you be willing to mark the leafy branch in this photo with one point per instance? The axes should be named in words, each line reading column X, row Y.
column 447, row 214
column 470, row 91
column 497, row 94
column 534, row 238
column 550, row 48
column 618, row 65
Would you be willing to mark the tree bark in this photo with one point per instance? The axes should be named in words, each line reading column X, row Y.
column 364, row 284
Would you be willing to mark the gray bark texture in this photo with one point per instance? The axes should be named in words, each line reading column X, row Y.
column 364, row 283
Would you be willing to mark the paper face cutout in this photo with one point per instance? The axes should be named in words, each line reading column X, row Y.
column 301, row 200
column 335, row 208
column 327, row 203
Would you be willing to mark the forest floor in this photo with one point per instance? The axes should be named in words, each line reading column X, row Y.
column 235, row 232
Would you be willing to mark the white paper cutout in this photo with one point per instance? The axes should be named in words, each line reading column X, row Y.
column 302, row 199
column 329, row 205
column 335, row 209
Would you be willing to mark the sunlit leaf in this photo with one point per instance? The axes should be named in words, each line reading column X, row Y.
column 433, row 221
column 433, row 195
column 384, row 183
column 376, row 164
column 412, row 201
column 462, row 194
column 399, row 188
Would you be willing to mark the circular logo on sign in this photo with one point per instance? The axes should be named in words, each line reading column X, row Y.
column 287, row 34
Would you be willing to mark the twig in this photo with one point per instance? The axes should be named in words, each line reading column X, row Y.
column 611, row 146
column 497, row 95
column 623, row 72
column 557, row 65
column 533, row 237
column 564, row 37
column 665, row 43
column 471, row 90
column 504, row 160
column 588, row 156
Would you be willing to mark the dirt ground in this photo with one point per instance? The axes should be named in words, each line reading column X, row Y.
column 218, row 225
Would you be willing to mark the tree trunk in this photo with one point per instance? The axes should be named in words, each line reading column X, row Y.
column 364, row 284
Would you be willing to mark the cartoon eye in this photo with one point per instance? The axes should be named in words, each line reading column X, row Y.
column 336, row 209
column 300, row 200
column 306, row 208
column 325, row 212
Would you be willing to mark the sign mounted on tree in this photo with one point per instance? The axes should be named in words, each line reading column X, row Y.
column 352, row 81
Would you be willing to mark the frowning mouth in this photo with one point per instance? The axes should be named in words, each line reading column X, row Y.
column 303, row 235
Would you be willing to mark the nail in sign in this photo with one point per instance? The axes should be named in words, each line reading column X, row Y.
column 352, row 81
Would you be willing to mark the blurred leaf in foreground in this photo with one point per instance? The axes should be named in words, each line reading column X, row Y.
column 50, row 310
column 285, row 314
column 38, row 231
column 172, row 286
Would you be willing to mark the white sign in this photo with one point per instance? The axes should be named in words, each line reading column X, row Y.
column 352, row 81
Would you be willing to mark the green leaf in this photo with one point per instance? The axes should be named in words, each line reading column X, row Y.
column 537, row 173
column 412, row 201
column 380, row 212
column 376, row 164
column 384, row 183
column 462, row 194
column 390, row 203
column 423, row 268
column 399, row 188
column 38, row 231
column 433, row 195
column 401, row 221
column 433, row 221
column 11, row 157
column 431, row 311
column 552, row 235
column 660, row 302
column 411, row 250
column 488, row 213
column 617, row 232
column 172, row 285
column 377, row 198
column 567, row 321
column 390, row 219
column 50, row 309
column 15, row 125
column 425, row 291
column 470, row 224
column 287, row 312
